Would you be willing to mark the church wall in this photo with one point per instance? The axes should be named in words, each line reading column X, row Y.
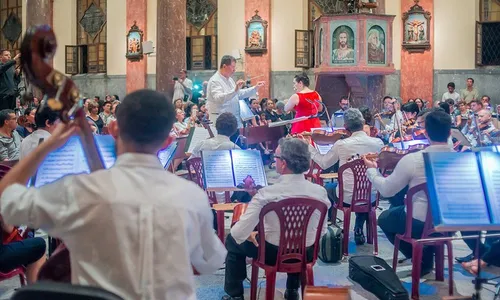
column 151, row 34
column 231, row 29
column 64, row 24
column 393, row 81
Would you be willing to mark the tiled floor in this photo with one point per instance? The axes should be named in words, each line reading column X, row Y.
column 210, row 287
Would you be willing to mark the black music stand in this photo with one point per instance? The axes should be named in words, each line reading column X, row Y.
column 474, row 205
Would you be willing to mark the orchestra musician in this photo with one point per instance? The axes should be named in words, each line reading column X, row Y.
column 480, row 135
column 410, row 172
column 45, row 120
column 9, row 79
column 358, row 143
column 344, row 105
column 223, row 93
column 122, row 233
column 306, row 102
column 292, row 160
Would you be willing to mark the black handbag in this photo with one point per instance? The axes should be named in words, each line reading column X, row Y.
column 377, row 277
column 330, row 247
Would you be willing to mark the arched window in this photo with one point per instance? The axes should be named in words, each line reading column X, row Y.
column 89, row 55
column 11, row 24
column 201, row 34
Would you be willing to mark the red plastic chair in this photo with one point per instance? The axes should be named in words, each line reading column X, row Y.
column 294, row 215
column 314, row 173
column 417, row 247
column 361, row 203
column 16, row 272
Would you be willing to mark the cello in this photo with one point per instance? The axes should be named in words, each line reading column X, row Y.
column 38, row 47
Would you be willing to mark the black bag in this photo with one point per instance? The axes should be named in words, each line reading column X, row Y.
column 330, row 247
column 377, row 277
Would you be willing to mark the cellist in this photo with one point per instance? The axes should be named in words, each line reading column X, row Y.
column 129, row 228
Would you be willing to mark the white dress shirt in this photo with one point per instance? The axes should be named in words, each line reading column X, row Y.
column 180, row 91
column 410, row 171
column 133, row 229
column 218, row 142
column 343, row 150
column 287, row 186
column 393, row 124
column 222, row 97
column 31, row 141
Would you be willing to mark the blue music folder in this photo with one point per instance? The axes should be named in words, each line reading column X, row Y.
column 464, row 190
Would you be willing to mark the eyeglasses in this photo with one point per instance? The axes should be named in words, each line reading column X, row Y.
column 280, row 157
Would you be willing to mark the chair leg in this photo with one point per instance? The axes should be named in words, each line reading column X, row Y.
column 270, row 285
column 309, row 275
column 333, row 217
column 22, row 279
column 395, row 255
column 439, row 259
column 253, row 282
column 416, row 270
column 449, row 247
column 369, row 233
column 220, row 225
column 374, row 232
column 347, row 223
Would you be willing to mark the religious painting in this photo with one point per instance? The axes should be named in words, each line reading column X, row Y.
column 416, row 24
column 376, row 44
column 343, row 42
column 256, row 34
column 134, row 43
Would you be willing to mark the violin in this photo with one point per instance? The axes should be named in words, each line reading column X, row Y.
column 323, row 137
column 38, row 47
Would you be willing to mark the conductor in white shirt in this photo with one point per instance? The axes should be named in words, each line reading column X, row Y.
column 292, row 160
column 44, row 121
column 153, row 238
column 223, row 94
column 410, row 171
column 358, row 143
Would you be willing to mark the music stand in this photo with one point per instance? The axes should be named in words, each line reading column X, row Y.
column 475, row 204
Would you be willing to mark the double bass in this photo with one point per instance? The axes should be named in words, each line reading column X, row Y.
column 38, row 47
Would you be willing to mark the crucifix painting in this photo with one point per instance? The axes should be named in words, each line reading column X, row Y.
column 416, row 24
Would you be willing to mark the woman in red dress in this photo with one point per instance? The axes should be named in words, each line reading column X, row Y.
column 306, row 102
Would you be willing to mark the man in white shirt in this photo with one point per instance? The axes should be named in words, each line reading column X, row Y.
column 153, row 238
column 451, row 94
column 183, row 87
column 358, row 143
column 292, row 160
column 226, row 126
column 410, row 171
column 223, row 94
column 338, row 116
column 44, row 121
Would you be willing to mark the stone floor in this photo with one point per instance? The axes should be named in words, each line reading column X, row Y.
column 210, row 287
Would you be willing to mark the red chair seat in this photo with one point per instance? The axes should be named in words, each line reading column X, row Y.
column 16, row 272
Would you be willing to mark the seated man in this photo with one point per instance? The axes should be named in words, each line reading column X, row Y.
column 410, row 171
column 292, row 160
column 226, row 126
column 44, row 121
column 357, row 144
column 28, row 252
column 10, row 140
column 153, row 237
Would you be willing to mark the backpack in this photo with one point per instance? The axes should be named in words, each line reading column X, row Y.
column 330, row 247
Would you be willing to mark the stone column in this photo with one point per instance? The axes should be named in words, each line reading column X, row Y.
column 38, row 12
column 170, row 43
column 259, row 65
column 137, row 11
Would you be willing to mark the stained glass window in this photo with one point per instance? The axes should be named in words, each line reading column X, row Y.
column 10, row 24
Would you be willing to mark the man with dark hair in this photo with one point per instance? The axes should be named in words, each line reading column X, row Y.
column 154, row 237
column 470, row 93
column 410, row 171
column 226, row 126
column 338, row 116
column 451, row 93
column 292, row 160
column 183, row 88
column 358, row 143
column 10, row 140
column 9, row 79
column 45, row 124
column 223, row 94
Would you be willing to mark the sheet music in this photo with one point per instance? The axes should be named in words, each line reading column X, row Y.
column 245, row 112
column 456, row 133
column 217, row 170
column 248, row 162
column 457, row 182
column 490, row 164
column 338, row 120
column 69, row 159
column 199, row 134
column 323, row 149
column 165, row 156
column 107, row 148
